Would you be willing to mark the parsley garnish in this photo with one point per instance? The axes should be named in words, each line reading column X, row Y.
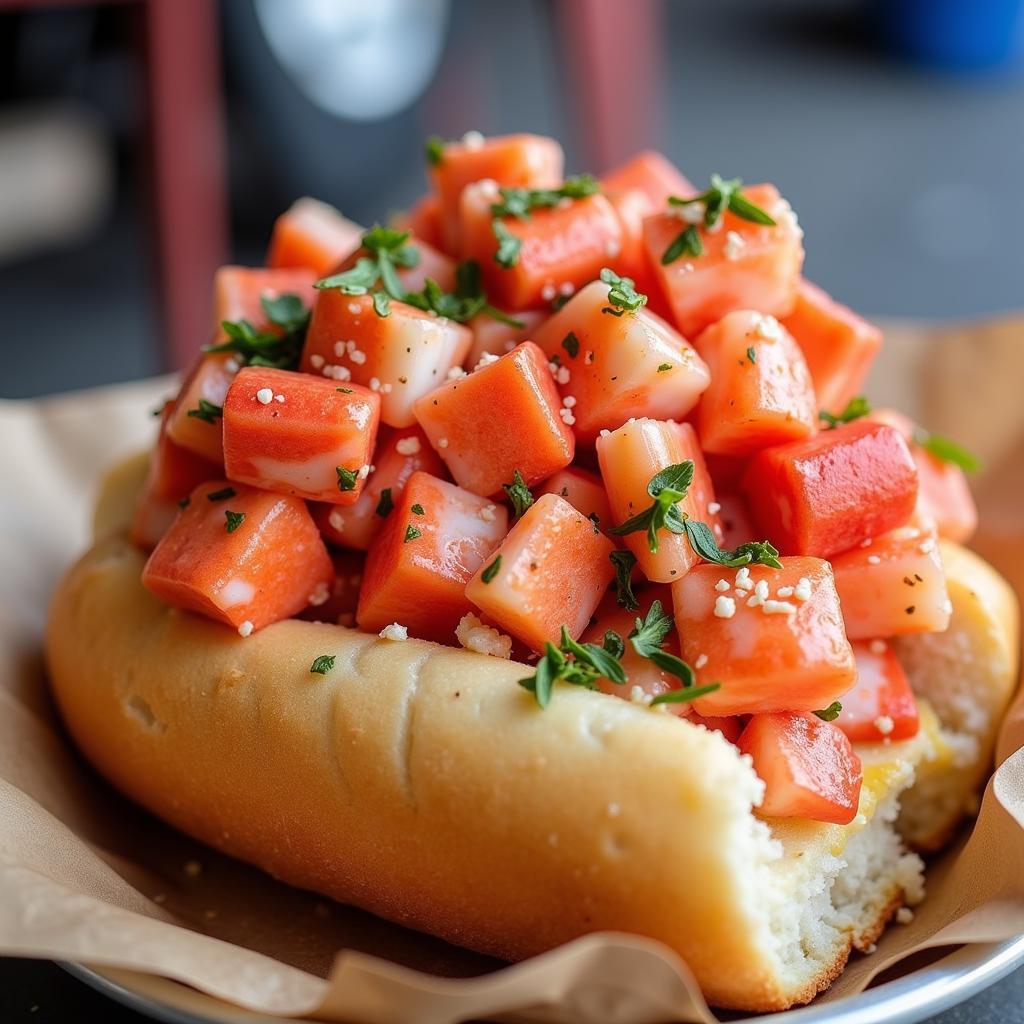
column 322, row 665
column 624, row 562
column 687, row 243
column 389, row 250
column 221, row 495
column 856, row 407
column 662, row 367
column 831, row 713
column 384, row 504
column 946, row 450
column 346, row 478
column 491, row 571
column 724, row 194
column 647, row 638
column 571, row 344
column 206, row 411
column 411, row 533
column 233, row 520
column 465, row 302
column 666, row 488
column 279, row 349
column 509, row 245
column 669, row 487
column 520, row 202
column 755, row 552
column 577, row 664
column 752, row 354
column 518, row 493
column 433, row 150
column 622, row 296
column 684, row 694
column 345, row 391
column 417, row 509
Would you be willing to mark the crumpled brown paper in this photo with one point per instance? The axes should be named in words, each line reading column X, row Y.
column 85, row 876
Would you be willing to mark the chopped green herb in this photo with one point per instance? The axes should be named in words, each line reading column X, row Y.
column 518, row 493
column 758, row 552
column 417, row 509
column 381, row 304
column 507, row 253
column 411, row 533
column 577, row 664
column 491, row 571
column 384, row 503
column 687, row 243
column 647, row 638
column 724, row 194
column 662, row 367
column 388, row 250
column 831, row 713
column 322, row 665
column 233, row 520
column 684, row 694
column 280, row 348
column 946, row 450
column 752, row 354
column 622, row 296
column 221, row 495
column 856, row 407
column 624, row 561
column 346, row 478
column 571, row 344
column 666, row 488
column 519, row 202
column 206, row 411
column 345, row 391
column 433, row 150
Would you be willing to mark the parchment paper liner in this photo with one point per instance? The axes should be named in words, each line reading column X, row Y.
column 85, row 876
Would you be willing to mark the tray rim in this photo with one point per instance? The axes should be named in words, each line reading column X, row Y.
column 962, row 973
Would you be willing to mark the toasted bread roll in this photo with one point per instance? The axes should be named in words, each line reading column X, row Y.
column 967, row 675
column 423, row 784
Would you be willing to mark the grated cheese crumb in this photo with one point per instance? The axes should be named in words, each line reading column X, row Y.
column 264, row 396
column 245, row 629
column 442, row 442
column 784, row 592
column 702, row 660
column 802, row 592
column 474, row 635
column 878, row 647
column 874, row 560
column 456, row 372
column 321, row 594
column 278, row 398
column 734, row 245
column 562, row 375
column 396, row 631
column 604, row 432
column 473, row 140
column 743, row 580
column 567, row 417
column 779, row 608
column 407, row 445
column 714, row 507
column 233, row 366
column 927, row 546
column 637, row 695
column 569, row 401
column 725, row 607
column 722, row 586
column 487, row 513
column 768, row 327
column 354, row 308
column 884, row 724
column 358, row 357
column 336, row 519
column 566, row 288
column 548, row 292
column 374, row 384
column 904, row 915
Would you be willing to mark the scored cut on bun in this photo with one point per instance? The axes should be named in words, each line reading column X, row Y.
column 423, row 784
column 967, row 676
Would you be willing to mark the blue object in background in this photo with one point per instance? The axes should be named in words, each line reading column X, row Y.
column 962, row 35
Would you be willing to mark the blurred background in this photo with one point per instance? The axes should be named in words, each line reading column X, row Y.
column 145, row 142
